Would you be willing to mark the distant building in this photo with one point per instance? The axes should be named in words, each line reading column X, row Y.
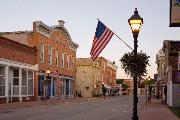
column 130, row 84
column 168, row 66
column 56, row 53
column 162, row 75
column 92, row 74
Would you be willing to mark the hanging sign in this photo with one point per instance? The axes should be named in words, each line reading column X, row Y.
column 174, row 13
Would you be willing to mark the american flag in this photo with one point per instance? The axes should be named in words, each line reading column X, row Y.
column 55, row 74
column 101, row 39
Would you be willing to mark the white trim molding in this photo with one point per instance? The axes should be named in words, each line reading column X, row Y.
column 18, row 64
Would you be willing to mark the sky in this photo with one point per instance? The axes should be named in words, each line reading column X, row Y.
column 80, row 18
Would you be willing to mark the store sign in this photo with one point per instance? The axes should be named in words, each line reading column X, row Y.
column 174, row 13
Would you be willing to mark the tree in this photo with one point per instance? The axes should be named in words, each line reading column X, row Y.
column 124, row 86
column 134, row 66
column 147, row 82
column 119, row 81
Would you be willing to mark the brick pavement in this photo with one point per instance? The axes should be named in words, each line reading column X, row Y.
column 156, row 111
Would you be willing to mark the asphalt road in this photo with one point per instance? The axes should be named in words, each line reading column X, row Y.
column 112, row 108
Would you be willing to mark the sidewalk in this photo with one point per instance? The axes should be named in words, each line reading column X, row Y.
column 49, row 102
column 156, row 111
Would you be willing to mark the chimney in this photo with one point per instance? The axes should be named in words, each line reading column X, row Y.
column 61, row 23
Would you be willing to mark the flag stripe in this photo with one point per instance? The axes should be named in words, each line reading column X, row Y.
column 101, row 39
column 99, row 42
column 96, row 41
column 103, row 42
column 106, row 42
column 100, row 50
column 102, row 47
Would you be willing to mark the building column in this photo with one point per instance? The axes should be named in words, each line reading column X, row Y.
column 52, row 87
column 20, row 84
column 7, row 83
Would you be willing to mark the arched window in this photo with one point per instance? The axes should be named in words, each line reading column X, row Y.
column 41, row 53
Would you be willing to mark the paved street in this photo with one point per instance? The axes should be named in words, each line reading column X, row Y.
column 112, row 108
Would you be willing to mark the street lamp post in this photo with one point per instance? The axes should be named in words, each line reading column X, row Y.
column 47, row 82
column 135, row 22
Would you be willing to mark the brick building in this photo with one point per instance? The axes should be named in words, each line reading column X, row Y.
column 56, row 54
column 92, row 74
column 17, row 67
column 130, row 84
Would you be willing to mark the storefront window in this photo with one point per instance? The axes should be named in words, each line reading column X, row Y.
column 16, row 77
column 16, row 82
column 63, row 87
column 2, row 81
column 71, row 87
column 30, row 82
column 40, row 85
column 24, row 82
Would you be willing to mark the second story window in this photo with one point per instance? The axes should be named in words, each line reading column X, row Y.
column 104, row 67
column 68, row 61
column 50, row 54
column 62, row 60
column 56, row 57
column 72, row 64
column 41, row 52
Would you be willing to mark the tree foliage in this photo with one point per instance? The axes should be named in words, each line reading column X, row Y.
column 148, row 82
column 124, row 85
column 119, row 81
column 135, row 66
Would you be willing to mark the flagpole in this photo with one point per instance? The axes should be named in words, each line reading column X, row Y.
column 117, row 36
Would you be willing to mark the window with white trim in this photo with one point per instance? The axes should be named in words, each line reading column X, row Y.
column 16, row 81
column 30, row 82
column 42, row 52
column 27, row 82
column 50, row 54
column 104, row 67
column 72, row 62
column 2, row 80
column 68, row 61
column 24, row 82
column 56, row 57
column 62, row 60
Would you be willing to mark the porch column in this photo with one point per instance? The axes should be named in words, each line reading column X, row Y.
column 7, row 83
column 20, row 84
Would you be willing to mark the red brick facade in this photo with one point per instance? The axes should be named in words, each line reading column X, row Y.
column 18, row 52
column 108, row 71
column 57, row 47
